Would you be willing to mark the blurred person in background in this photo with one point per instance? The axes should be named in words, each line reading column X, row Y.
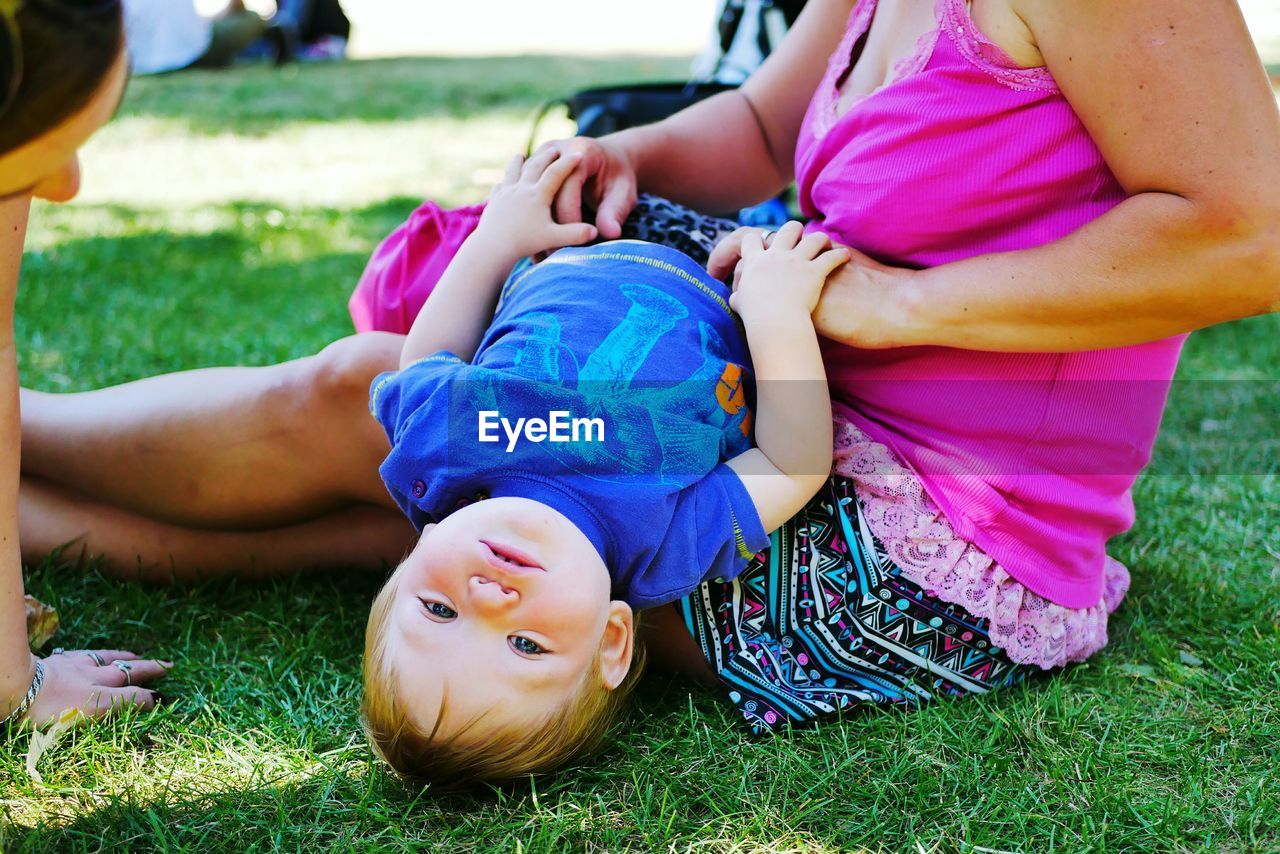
column 309, row 30
column 169, row 35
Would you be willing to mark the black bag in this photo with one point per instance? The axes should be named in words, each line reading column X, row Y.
column 603, row 110
column 608, row 109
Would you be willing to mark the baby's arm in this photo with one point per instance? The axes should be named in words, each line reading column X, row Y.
column 776, row 292
column 517, row 222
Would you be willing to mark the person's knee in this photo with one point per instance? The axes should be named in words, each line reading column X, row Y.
column 342, row 372
column 323, row 400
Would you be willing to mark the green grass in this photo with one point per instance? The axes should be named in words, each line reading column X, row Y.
column 226, row 218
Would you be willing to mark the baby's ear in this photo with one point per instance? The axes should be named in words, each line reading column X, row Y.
column 618, row 645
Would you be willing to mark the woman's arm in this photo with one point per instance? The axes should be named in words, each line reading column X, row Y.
column 16, row 663
column 731, row 150
column 1176, row 100
column 71, row 681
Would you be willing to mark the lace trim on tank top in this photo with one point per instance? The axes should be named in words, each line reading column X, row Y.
column 920, row 540
column 840, row 61
column 984, row 54
column 949, row 15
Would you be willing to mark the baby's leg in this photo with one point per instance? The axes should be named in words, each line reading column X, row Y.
column 134, row 546
column 224, row 447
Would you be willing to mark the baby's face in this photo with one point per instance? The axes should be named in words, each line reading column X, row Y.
column 499, row 613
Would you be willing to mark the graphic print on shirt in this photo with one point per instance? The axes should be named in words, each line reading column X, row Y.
column 641, row 438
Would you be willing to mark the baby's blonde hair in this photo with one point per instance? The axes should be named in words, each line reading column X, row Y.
column 514, row 750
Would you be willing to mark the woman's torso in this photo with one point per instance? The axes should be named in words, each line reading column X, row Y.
column 937, row 146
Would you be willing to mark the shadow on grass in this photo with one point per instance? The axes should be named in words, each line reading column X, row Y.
column 257, row 100
column 283, row 816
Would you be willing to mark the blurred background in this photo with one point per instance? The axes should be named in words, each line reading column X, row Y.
column 422, row 27
column 1263, row 17
column 431, row 27
column 441, row 93
column 415, row 27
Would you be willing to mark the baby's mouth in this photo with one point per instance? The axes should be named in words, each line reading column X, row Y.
column 511, row 559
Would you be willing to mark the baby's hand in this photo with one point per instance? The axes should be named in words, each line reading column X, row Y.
column 518, row 215
column 788, row 275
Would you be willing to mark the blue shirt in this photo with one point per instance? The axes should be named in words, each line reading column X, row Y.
column 629, row 356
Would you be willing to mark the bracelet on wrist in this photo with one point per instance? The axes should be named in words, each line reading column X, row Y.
column 24, row 705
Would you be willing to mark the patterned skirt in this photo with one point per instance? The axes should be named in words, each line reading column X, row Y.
column 823, row 621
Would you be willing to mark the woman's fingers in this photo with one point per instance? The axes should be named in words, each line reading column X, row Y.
column 73, row 680
column 752, row 242
column 724, row 257
column 601, row 180
column 513, row 170
column 99, row 657
column 107, row 700
column 132, row 672
column 85, row 658
column 618, row 201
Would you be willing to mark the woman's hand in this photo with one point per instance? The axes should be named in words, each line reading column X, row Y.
column 517, row 218
column 74, row 679
column 862, row 304
column 605, row 180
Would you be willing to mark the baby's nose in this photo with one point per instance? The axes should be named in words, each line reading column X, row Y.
column 490, row 593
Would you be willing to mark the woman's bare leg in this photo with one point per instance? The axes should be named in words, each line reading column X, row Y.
column 133, row 546
column 241, row 448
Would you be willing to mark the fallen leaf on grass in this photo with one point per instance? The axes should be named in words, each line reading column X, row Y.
column 42, row 621
column 42, row 742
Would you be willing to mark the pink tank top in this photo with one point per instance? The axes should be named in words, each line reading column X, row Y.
column 1030, row 456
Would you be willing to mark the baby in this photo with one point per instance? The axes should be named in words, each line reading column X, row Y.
column 583, row 452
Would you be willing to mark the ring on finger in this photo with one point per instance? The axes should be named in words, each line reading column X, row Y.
column 97, row 659
column 767, row 236
column 57, row 650
column 124, row 667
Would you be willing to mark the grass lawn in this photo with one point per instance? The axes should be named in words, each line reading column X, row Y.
column 226, row 218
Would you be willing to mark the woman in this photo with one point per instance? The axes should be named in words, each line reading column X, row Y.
column 62, row 73
column 1045, row 199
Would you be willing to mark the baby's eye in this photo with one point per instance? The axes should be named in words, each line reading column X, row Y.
column 439, row 610
column 524, row 646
